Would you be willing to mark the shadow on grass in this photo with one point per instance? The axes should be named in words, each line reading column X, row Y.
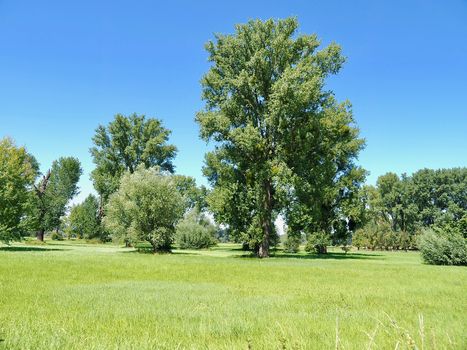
column 151, row 252
column 29, row 249
column 330, row 256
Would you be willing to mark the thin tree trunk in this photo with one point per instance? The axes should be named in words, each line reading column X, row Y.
column 266, row 221
column 101, row 208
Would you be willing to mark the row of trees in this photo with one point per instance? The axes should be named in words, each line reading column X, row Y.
column 283, row 146
column 398, row 209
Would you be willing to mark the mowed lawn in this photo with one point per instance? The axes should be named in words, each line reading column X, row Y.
column 68, row 295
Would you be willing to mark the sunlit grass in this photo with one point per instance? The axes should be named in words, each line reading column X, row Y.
column 73, row 295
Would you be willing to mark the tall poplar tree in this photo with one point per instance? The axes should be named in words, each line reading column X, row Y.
column 283, row 144
column 124, row 144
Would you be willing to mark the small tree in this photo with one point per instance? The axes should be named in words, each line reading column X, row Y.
column 146, row 207
column 318, row 243
column 53, row 192
column 84, row 219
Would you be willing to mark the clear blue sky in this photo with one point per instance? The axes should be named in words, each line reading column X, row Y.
column 67, row 66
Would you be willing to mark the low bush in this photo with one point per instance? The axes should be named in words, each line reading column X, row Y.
column 56, row 236
column 195, row 232
column 439, row 247
column 292, row 244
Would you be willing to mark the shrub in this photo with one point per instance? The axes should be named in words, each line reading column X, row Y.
column 346, row 248
column 292, row 244
column 443, row 247
column 56, row 236
column 318, row 242
column 195, row 232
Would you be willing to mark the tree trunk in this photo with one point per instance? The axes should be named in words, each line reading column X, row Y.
column 100, row 214
column 40, row 235
column 266, row 221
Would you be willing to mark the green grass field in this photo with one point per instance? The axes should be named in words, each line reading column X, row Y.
column 69, row 295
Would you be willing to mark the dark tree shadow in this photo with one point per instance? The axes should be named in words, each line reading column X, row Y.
column 151, row 252
column 330, row 255
column 29, row 249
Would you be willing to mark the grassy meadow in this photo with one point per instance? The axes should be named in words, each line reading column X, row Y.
column 71, row 295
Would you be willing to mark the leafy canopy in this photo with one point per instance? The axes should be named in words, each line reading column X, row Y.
column 84, row 220
column 53, row 192
column 125, row 143
column 18, row 170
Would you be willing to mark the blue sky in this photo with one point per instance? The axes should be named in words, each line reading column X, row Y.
column 66, row 67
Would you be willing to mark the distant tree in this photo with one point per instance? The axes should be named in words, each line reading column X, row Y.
column 53, row 192
column 292, row 244
column 427, row 199
column 123, row 145
column 84, row 219
column 195, row 231
column 439, row 196
column 146, row 207
column 283, row 141
column 195, row 196
column 18, row 170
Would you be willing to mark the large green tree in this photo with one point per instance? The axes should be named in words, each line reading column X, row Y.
column 125, row 143
column 53, row 192
column 283, row 142
column 18, row 170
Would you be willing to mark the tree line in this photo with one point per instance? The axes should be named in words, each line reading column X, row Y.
column 284, row 146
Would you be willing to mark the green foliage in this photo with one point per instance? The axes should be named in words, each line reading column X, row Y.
column 146, row 207
column 84, row 220
column 399, row 207
column 57, row 236
column 318, row 242
column 440, row 247
column 53, row 192
column 292, row 244
column 283, row 142
column 195, row 231
column 18, row 170
column 123, row 145
column 380, row 236
column 195, row 196
column 427, row 198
